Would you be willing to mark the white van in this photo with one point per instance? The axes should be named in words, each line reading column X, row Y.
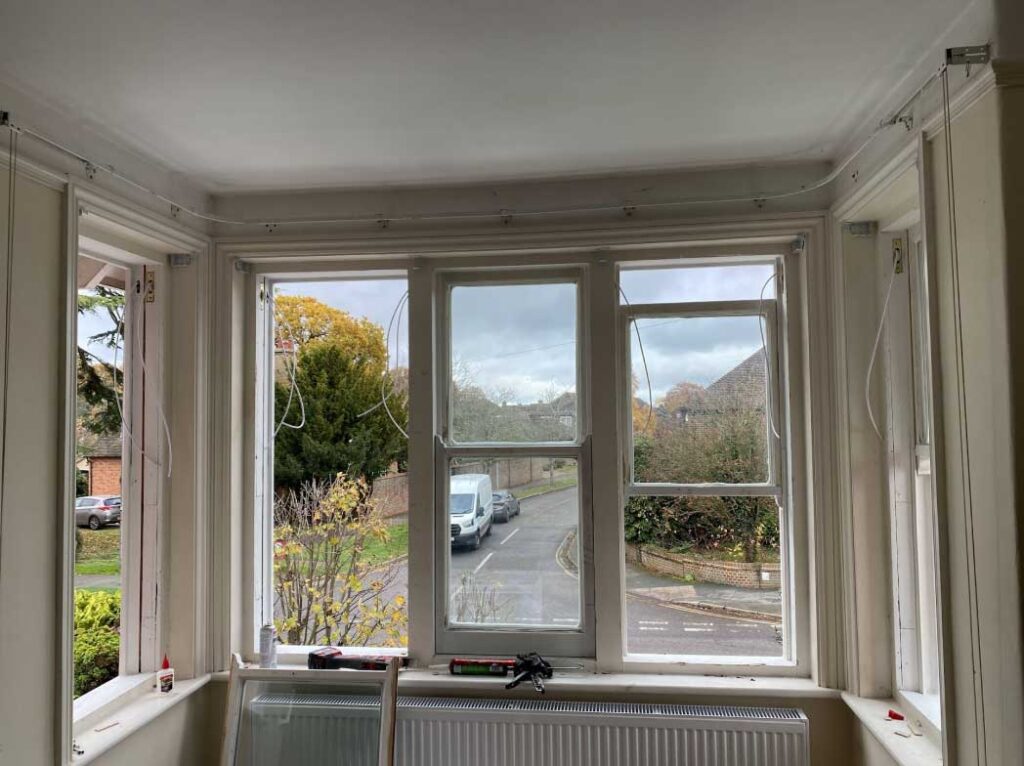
column 470, row 508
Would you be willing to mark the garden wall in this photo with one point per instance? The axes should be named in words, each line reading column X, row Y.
column 764, row 576
column 391, row 493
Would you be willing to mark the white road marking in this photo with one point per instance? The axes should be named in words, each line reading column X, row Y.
column 527, row 619
column 509, row 536
column 570, row 620
column 697, row 630
column 646, row 627
column 654, row 622
column 481, row 564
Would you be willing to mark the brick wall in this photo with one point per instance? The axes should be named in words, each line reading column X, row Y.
column 736, row 573
column 104, row 476
column 391, row 493
column 509, row 473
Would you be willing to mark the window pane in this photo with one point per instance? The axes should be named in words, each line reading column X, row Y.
column 513, row 363
column 99, row 449
column 340, row 494
column 703, row 577
column 513, row 557
column 679, row 284
column 709, row 385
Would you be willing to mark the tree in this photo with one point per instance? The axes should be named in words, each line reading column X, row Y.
column 100, row 383
column 346, row 428
column 312, row 324
column 724, row 441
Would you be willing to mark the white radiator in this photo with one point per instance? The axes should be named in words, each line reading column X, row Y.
column 300, row 729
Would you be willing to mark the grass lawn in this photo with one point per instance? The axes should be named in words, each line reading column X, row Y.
column 378, row 552
column 99, row 552
column 98, row 567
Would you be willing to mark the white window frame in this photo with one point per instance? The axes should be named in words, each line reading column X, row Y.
column 697, row 310
column 259, row 281
column 780, row 484
column 913, row 519
column 426, row 262
column 451, row 638
column 115, row 233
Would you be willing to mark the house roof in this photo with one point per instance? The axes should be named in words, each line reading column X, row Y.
column 99, row 445
column 744, row 384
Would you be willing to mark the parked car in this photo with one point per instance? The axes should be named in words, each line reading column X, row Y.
column 97, row 511
column 506, row 505
column 470, row 508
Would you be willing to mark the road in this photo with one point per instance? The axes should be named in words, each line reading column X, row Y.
column 515, row 577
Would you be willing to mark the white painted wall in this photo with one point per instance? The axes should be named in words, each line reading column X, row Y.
column 188, row 734
column 32, row 482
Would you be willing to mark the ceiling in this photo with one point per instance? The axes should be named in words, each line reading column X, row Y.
column 263, row 94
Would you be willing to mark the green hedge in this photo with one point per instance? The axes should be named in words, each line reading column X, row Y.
column 97, row 643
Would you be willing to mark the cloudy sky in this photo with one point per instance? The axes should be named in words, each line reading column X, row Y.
column 93, row 324
column 518, row 340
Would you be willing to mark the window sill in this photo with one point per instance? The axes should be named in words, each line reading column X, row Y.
column 98, row 704
column 911, row 750
column 118, row 719
column 620, row 685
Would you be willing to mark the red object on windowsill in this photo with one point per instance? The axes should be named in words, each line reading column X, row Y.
column 893, row 715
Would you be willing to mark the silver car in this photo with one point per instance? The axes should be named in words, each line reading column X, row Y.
column 97, row 511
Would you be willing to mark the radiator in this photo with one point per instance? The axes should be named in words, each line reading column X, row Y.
column 300, row 729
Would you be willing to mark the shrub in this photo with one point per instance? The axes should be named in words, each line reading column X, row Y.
column 97, row 643
column 329, row 587
column 96, row 655
column 97, row 609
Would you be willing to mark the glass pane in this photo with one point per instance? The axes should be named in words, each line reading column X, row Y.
column 341, row 532
column 99, row 450
column 308, row 723
column 679, row 284
column 513, row 368
column 709, row 386
column 514, row 548
column 703, row 576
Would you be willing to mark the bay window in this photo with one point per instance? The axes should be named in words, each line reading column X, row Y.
column 687, row 501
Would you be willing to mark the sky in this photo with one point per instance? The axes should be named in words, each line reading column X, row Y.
column 92, row 324
column 519, row 340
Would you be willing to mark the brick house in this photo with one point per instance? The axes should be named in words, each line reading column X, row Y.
column 100, row 459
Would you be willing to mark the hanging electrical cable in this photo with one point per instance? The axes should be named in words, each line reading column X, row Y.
column 874, row 349
column 291, row 367
column 387, row 362
column 643, row 358
column 967, row 493
column 12, row 194
column 761, row 321
column 126, row 428
column 896, row 117
column 137, row 335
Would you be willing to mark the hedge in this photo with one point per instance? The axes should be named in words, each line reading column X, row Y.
column 97, row 644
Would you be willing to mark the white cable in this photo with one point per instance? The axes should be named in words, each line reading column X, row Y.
column 894, row 119
column 159, row 403
column 125, row 426
column 387, row 361
column 293, row 384
column 874, row 350
column 643, row 358
column 761, row 321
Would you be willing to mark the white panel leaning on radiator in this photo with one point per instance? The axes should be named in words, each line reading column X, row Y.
column 302, row 717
